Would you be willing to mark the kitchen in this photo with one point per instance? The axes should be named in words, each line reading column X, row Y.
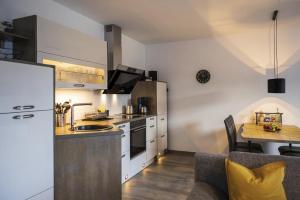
column 148, row 99
column 125, row 115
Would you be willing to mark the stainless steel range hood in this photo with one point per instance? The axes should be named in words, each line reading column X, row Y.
column 121, row 78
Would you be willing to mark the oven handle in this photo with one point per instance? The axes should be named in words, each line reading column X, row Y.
column 138, row 129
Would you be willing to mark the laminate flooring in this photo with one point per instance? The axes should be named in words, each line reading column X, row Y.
column 171, row 177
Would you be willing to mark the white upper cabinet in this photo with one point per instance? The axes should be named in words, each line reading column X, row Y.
column 80, row 59
column 57, row 39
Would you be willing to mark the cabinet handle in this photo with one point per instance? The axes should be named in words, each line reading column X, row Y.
column 17, row 117
column 28, row 116
column 78, row 85
column 28, row 107
column 162, row 119
column 162, row 136
column 152, row 141
column 122, row 126
column 152, row 126
column 123, row 135
column 152, row 118
column 123, row 156
column 17, row 107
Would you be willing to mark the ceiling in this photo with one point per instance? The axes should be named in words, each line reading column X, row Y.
column 157, row 21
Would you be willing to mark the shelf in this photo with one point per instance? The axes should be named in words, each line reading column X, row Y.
column 11, row 36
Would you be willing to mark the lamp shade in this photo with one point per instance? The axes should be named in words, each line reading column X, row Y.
column 276, row 85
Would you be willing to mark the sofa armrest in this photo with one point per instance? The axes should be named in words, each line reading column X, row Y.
column 204, row 191
column 210, row 168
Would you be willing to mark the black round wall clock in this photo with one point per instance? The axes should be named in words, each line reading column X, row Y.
column 203, row 76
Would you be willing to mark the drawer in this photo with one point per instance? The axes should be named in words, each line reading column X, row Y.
column 125, row 146
column 151, row 130
column 125, row 166
column 137, row 164
column 151, row 121
column 151, row 149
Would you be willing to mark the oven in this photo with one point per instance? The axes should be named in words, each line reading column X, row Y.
column 137, row 137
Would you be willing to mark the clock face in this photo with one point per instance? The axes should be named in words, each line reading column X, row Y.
column 203, row 76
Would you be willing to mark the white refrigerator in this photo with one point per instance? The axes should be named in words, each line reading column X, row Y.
column 26, row 131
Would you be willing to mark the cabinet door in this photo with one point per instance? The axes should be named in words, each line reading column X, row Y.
column 137, row 164
column 25, row 87
column 26, row 154
column 162, row 144
column 162, row 124
column 151, row 130
column 161, row 98
column 125, row 137
column 151, row 149
column 57, row 39
column 125, row 166
column 162, row 135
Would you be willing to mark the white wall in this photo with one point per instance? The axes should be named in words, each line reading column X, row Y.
column 133, row 51
column 240, row 66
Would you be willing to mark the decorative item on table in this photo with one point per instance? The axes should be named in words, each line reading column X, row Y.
column 61, row 110
column 265, row 118
column 272, row 127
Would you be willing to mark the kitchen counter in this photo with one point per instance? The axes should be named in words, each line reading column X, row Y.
column 65, row 132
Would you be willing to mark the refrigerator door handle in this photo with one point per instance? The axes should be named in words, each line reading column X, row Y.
column 28, row 116
column 17, row 117
column 27, row 107
column 17, row 107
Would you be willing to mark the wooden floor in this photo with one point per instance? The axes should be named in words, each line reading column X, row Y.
column 170, row 178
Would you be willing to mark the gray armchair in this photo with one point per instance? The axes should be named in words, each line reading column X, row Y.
column 210, row 175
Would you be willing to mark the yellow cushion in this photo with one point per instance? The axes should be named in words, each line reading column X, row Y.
column 264, row 183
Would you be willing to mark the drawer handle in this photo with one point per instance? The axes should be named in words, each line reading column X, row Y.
column 28, row 116
column 152, row 118
column 28, row 107
column 123, row 135
column 17, row 117
column 162, row 119
column 152, row 141
column 123, row 126
column 78, row 85
column 123, row 156
column 162, row 136
column 152, row 126
column 17, row 107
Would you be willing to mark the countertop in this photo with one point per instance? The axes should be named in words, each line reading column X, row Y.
column 65, row 132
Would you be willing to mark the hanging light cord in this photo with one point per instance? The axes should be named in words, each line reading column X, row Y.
column 275, row 49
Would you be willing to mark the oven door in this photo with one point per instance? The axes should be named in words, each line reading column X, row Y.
column 137, row 141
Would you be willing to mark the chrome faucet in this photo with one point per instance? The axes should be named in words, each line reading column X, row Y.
column 72, row 113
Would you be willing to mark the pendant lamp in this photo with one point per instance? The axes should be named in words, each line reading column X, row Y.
column 276, row 85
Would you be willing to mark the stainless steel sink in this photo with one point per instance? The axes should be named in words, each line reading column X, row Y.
column 92, row 128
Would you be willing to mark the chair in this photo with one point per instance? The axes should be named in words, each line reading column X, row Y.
column 232, row 139
column 289, row 150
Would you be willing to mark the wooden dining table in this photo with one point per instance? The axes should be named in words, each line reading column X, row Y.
column 256, row 133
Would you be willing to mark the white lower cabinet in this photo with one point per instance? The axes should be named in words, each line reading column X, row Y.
column 137, row 164
column 125, row 166
column 125, row 146
column 162, row 134
column 151, row 150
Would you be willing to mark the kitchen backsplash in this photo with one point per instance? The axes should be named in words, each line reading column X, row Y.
column 112, row 102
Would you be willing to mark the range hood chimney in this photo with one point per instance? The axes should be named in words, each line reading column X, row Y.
column 113, row 36
column 121, row 78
